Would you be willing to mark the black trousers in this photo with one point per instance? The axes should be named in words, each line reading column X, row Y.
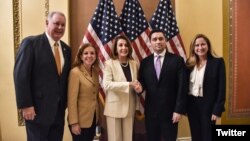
column 199, row 118
column 87, row 134
column 158, row 128
column 53, row 132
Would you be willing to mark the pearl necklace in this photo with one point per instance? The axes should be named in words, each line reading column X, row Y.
column 124, row 65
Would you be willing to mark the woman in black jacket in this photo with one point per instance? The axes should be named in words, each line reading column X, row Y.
column 207, row 87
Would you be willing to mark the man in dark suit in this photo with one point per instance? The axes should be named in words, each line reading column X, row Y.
column 166, row 94
column 41, row 81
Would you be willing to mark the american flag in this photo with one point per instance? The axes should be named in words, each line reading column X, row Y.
column 102, row 29
column 165, row 20
column 136, row 28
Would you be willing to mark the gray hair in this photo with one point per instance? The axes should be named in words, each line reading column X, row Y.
column 51, row 14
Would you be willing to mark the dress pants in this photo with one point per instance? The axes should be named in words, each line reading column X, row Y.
column 158, row 128
column 120, row 129
column 54, row 132
column 87, row 134
column 199, row 120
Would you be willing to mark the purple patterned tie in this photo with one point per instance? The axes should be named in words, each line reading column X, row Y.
column 158, row 65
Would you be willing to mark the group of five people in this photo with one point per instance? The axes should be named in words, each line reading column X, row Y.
column 173, row 87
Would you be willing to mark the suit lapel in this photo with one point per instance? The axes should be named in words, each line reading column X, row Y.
column 152, row 67
column 46, row 46
column 164, row 65
column 208, row 66
column 120, row 71
column 64, row 52
column 87, row 75
column 132, row 70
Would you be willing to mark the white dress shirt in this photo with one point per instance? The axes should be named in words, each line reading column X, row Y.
column 196, row 81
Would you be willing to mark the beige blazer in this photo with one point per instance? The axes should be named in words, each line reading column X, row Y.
column 121, row 100
column 83, row 97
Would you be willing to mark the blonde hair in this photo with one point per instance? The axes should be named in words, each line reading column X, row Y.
column 193, row 58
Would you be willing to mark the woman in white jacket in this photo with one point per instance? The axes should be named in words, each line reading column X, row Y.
column 120, row 83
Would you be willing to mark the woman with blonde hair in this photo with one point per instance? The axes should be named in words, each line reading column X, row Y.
column 207, row 88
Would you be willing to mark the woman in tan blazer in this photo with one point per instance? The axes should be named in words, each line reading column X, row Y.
column 120, row 83
column 83, row 106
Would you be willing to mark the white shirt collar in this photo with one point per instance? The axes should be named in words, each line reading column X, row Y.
column 161, row 54
column 51, row 41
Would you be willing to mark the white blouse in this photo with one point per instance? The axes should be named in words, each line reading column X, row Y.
column 196, row 81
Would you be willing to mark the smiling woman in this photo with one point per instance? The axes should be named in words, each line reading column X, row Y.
column 29, row 17
column 121, row 85
column 83, row 89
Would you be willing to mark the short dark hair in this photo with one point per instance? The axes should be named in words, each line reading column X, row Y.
column 156, row 30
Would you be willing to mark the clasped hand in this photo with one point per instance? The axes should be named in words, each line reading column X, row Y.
column 136, row 85
column 29, row 113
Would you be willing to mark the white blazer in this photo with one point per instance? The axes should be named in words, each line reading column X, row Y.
column 121, row 100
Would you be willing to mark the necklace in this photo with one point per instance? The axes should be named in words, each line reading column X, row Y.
column 124, row 65
column 201, row 64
